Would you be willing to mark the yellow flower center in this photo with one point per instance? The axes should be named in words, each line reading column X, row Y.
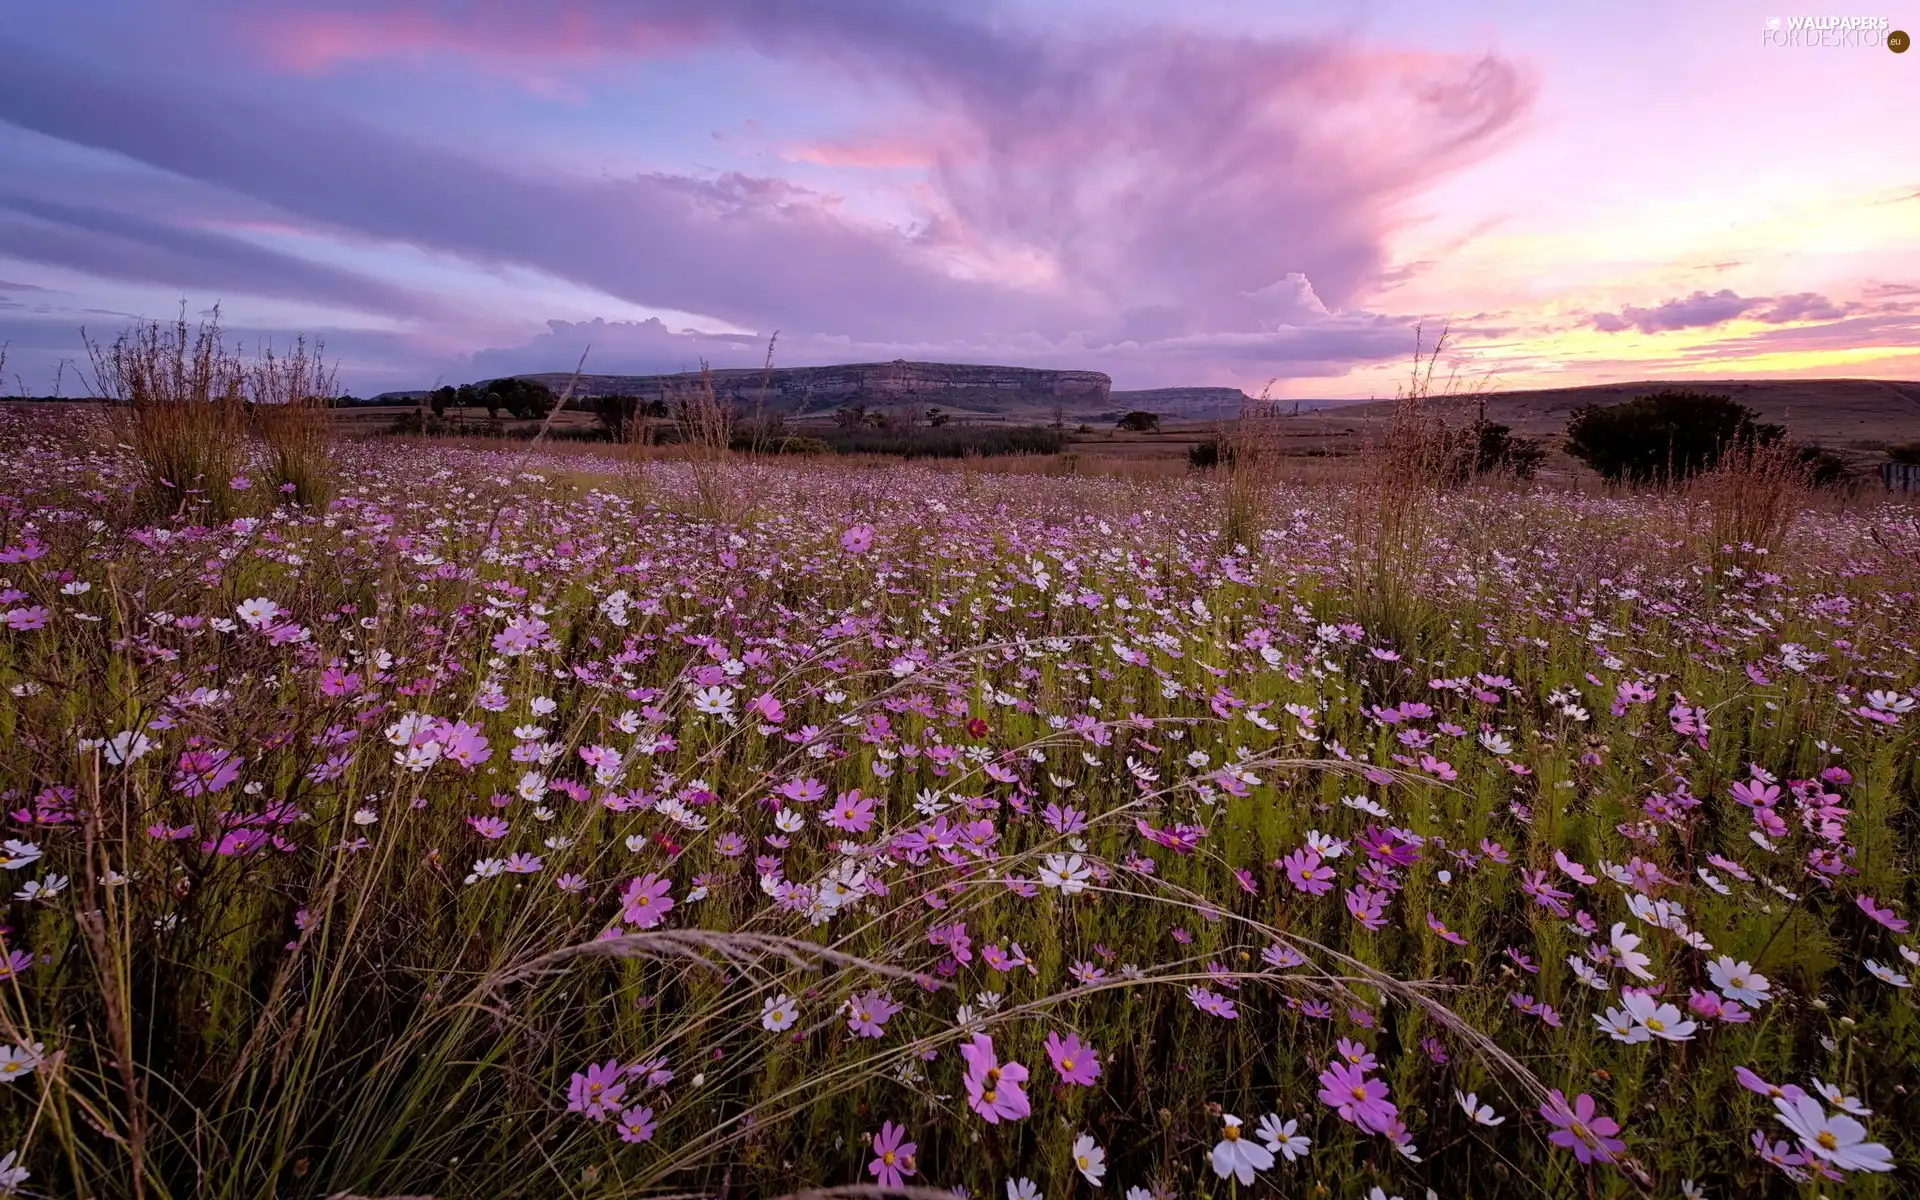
column 1359, row 1093
column 1233, row 1133
column 1655, row 1024
column 990, row 1096
column 1827, row 1140
column 1066, row 1064
column 887, row 1158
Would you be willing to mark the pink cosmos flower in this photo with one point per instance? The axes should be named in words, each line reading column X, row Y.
column 1589, row 1136
column 1883, row 915
column 596, row 1092
column 1212, row 1003
column 645, row 902
column 491, row 828
column 858, row 539
column 204, row 772
column 869, row 1011
column 1076, row 1063
column 852, row 812
column 521, row 636
column 1306, row 874
column 1362, row 1101
column 893, row 1157
column 993, row 1088
column 636, row 1125
column 23, row 620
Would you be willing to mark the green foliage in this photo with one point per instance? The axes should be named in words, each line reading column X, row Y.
column 1140, row 421
column 1500, row 451
column 524, row 399
column 1663, row 437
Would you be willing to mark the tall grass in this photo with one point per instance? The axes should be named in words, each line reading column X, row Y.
column 181, row 396
column 289, row 396
column 1751, row 494
column 1417, row 456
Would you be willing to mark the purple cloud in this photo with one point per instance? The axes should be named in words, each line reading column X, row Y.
column 1802, row 306
column 1153, row 188
column 1690, row 312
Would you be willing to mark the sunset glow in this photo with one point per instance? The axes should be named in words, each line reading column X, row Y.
column 1177, row 194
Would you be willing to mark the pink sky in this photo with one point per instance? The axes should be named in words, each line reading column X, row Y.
column 1206, row 192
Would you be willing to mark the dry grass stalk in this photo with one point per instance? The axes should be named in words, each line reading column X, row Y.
column 1249, row 465
column 181, row 394
column 1751, row 495
column 289, row 396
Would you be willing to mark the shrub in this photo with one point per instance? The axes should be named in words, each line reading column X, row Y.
column 183, row 398
column 1664, row 436
column 1140, row 421
column 1202, row 456
column 1905, row 452
column 1502, row 452
column 524, row 399
column 628, row 418
column 945, row 442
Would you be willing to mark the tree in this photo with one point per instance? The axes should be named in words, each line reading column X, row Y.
column 524, row 399
column 936, row 418
column 1501, row 451
column 1665, row 436
column 440, row 398
column 626, row 417
column 1140, row 421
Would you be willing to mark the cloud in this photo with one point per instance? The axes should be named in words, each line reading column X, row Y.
column 1802, row 306
column 1153, row 187
column 116, row 245
column 1704, row 309
column 1691, row 312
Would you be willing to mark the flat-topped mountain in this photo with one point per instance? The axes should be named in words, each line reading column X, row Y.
column 799, row 390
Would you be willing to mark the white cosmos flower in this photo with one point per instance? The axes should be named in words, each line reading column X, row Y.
column 1841, row 1100
column 1738, row 981
column 1237, row 1156
column 1620, row 1024
column 1089, row 1159
column 1067, row 872
column 1661, row 1020
column 16, row 1061
column 1282, row 1139
column 126, row 746
column 257, row 611
column 1887, row 975
column 713, row 701
column 1626, row 951
column 1482, row 1114
column 778, row 1013
column 1837, row 1139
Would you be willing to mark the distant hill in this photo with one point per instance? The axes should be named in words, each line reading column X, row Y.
column 1853, row 413
column 798, row 390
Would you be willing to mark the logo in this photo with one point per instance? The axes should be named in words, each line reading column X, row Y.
column 1832, row 31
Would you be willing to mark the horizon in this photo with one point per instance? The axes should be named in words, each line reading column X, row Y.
column 1175, row 195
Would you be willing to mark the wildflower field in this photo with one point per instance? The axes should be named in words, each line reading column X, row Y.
column 505, row 823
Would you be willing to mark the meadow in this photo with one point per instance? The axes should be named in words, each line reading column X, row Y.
column 398, row 818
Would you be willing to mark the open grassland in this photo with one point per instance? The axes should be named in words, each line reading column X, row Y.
column 488, row 821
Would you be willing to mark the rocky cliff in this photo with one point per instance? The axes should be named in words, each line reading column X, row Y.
column 798, row 390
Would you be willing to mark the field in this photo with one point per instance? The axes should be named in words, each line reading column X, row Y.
column 487, row 821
